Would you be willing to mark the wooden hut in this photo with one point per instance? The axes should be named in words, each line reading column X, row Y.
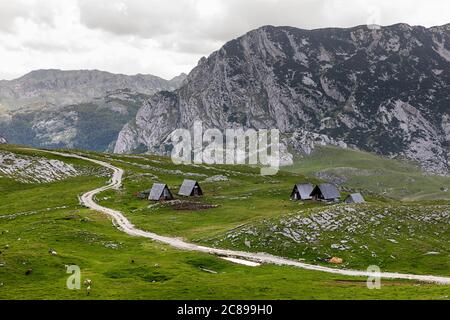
column 302, row 191
column 326, row 192
column 355, row 198
column 190, row 188
column 160, row 191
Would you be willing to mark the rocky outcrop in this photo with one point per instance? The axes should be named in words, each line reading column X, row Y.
column 28, row 169
column 305, row 142
column 3, row 140
column 384, row 91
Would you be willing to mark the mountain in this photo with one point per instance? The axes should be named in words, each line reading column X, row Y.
column 91, row 125
column 55, row 87
column 74, row 109
column 384, row 91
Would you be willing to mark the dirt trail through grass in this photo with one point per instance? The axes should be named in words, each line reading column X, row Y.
column 126, row 226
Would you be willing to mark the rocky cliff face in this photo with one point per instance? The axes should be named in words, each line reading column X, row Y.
column 385, row 91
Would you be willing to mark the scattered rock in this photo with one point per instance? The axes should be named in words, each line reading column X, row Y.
column 432, row 253
column 114, row 246
column 192, row 206
column 209, row 271
column 29, row 169
column 217, row 178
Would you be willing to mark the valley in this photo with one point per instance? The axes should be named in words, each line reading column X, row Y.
column 86, row 180
column 121, row 266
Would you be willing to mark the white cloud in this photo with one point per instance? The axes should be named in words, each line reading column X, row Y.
column 168, row 37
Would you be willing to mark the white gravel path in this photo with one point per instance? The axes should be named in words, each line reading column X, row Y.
column 126, row 226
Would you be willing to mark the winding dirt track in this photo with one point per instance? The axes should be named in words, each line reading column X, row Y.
column 126, row 226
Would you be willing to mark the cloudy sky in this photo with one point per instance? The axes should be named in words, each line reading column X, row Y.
column 167, row 37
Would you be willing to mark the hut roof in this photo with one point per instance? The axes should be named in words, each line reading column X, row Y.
column 187, row 187
column 329, row 191
column 157, row 191
column 305, row 189
column 355, row 198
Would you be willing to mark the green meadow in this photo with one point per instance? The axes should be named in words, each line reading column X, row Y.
column 367, row 172
column 37, row 217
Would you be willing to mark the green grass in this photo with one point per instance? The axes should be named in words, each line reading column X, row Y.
column 246, row 201
column 371, row 173
column 159, row 272
column 397, row 238
column 85, row 238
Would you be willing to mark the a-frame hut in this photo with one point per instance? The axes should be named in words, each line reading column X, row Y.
column 355, row 198
column 160, row 191
column 326, row 192
column 302, row 191
column 190, row 188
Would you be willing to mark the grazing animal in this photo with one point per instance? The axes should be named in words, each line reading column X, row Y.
column 87, row 282
column 28, row 272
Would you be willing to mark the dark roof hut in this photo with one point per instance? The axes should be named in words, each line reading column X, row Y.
column 355, row 198
column 326, row 192
column 160, row 191
column 190, row 188
column 302, row 191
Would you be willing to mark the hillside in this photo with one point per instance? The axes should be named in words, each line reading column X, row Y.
column 73, row 109
column 127, row 267
column 92, row 125
column 384, row 91
column 369, row 173
column 400, row 237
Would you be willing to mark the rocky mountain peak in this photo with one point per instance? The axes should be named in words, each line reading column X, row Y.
column 383, row 90
column 178, row 80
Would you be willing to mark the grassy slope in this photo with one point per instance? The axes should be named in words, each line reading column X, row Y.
column 83, row 237
column 246, row 197
column 398, row 238
column 365, row 171
column 245, row 201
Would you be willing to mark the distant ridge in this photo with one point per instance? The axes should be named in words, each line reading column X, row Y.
column 82, row 109
column 57, row 87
